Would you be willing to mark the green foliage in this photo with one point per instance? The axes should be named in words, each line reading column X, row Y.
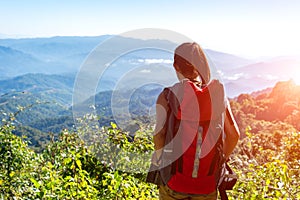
column 124, row 160
column 63, row 174
column 125, row 186
column 267, row 166
column 16, row 165
column 267, row 158
column 69, row 167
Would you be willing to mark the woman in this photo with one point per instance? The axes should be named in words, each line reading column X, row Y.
column 190, row 64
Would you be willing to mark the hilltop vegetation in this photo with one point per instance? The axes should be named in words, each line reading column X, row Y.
column 69, row 168
column 277, row 109
column 267, row 158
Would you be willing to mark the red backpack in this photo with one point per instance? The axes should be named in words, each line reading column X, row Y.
column 192, row 157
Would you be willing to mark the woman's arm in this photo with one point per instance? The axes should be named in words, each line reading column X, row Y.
column 232, row 132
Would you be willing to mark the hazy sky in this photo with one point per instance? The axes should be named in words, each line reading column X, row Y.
column 242, row 27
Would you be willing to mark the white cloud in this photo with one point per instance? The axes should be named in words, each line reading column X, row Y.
column 235, row 76
column 145, row 71
column 155, row 61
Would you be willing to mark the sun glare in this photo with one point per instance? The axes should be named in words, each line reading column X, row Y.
column 296, row 77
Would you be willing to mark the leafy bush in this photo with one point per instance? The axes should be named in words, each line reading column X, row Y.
column 267, row 166
column 17, row 164
column 108, row 163
column 70, row 169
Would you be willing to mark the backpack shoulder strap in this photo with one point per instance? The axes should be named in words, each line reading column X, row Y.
column 168, row 161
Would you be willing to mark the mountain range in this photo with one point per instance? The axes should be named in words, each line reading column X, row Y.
column 50, row 54
column 40, row 75
column 66, row 55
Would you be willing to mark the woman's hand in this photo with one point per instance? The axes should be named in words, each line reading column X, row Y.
column 156, row 157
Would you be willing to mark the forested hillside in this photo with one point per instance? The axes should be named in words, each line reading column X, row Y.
column 267, row 158
column 277, row 108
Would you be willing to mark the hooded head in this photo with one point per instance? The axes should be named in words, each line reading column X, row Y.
column 190, row 61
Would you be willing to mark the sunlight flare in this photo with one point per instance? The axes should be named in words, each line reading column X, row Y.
column 295, row 76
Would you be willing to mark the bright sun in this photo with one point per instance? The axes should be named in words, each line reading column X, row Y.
column 295, row 76
column 289, row 69
column 297, row 81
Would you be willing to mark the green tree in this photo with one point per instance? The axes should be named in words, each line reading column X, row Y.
column 17, row 163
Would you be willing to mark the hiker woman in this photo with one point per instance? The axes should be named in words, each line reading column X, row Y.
column 194, row 174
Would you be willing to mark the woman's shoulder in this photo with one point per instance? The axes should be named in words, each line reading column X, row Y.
column 167, row 94
column 161, row 99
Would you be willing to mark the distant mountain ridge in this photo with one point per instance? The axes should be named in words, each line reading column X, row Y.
column 60, row 55
column 14, row 62
column 66, row 54
column 226, row 61
column 260, row 75
column 45, row 55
